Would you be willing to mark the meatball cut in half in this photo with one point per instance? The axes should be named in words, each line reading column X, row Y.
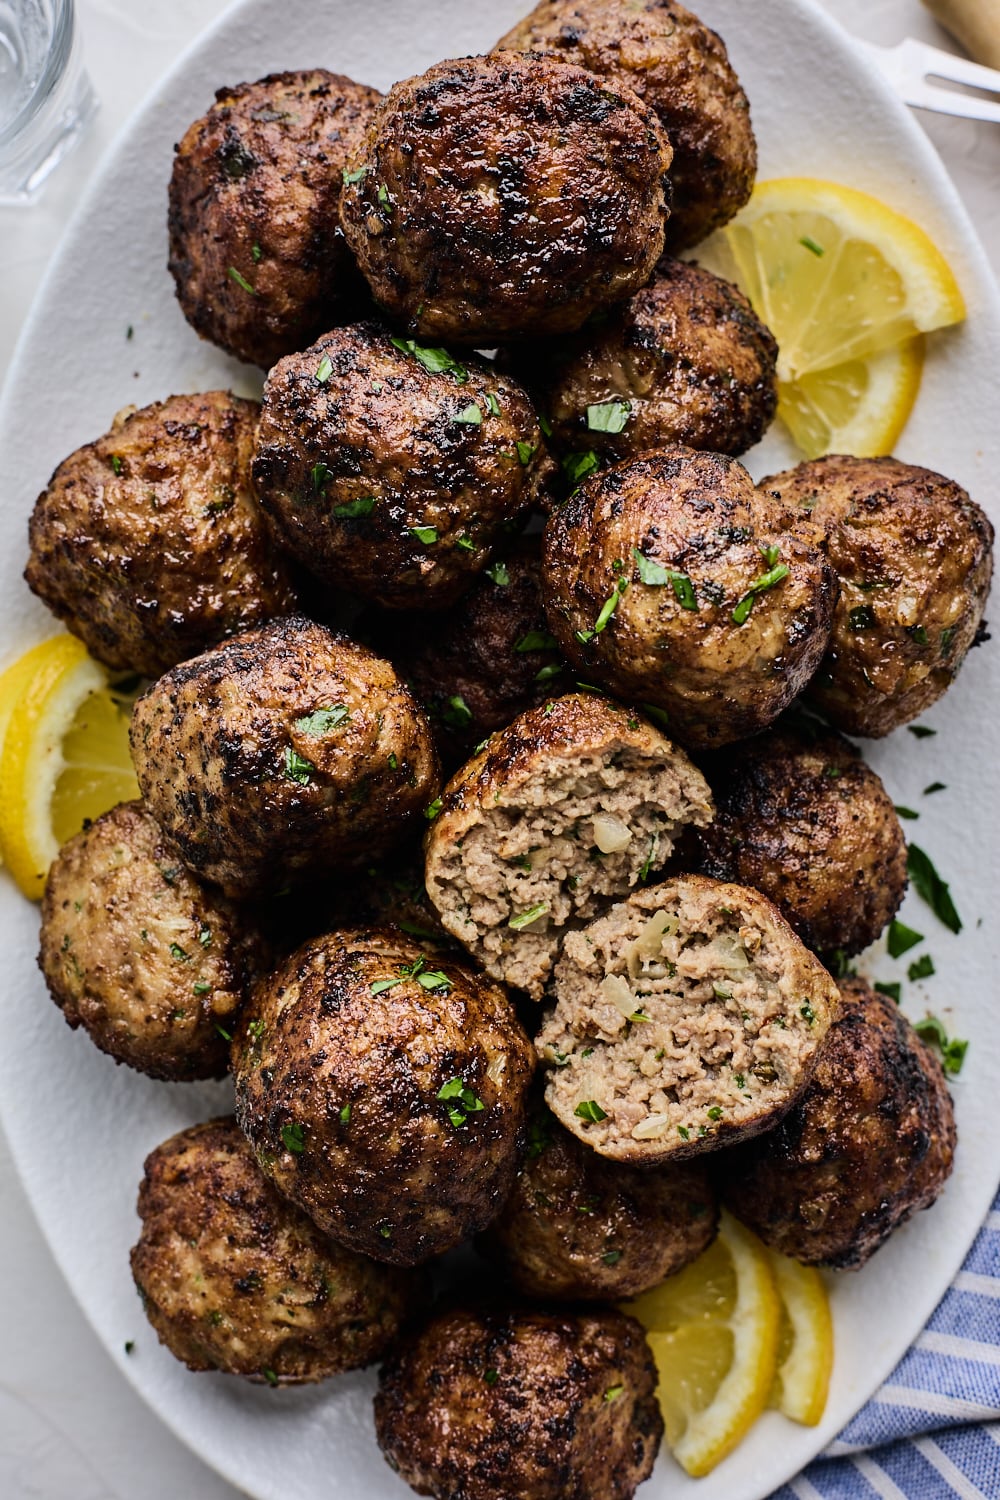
column 871, row 1141
column 502, row 197
column 671, row 581
column 687, row 1018
column 392, row 469
column 580, row 1228
column 914, row 555
column 383, row 1090
column 233, row 1277
column 480, row 1402
column 679, row 67
column 260, row 264
column 559, row 814
column 803, row 820
column 151, row 963
column 148, row 543
column 285, row 753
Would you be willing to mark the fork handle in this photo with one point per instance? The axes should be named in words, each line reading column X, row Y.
column 973, row 23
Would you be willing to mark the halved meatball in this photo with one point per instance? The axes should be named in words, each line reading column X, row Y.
column 679, row 67
column 487, row 1401
column 256, row 250
column 688, row 1017
column 148, row 543
column 560, row 813
column 286, row 753
column 914, row 555
column 233, row 1277
column 871, row 1141
column 503, row 197
column 671, row 581
column 384, row 1092
column 150, row 962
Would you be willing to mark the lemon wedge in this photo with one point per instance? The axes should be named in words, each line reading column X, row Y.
column 859, row 407
column 805, row 1342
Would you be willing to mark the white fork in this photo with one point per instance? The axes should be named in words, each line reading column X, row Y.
column 911, row 65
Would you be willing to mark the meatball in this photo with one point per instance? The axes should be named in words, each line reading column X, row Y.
column 682, row 70
column 488, row 1401
column 801, row 818
column 914, row 555
column 234, row 1278
column 872, row 1141
column 671, row 581
column 151, row 963
column 285, row 753
column 384, row 1095
column 559, row 814
column 687, row 1018
column 392, row 469
column 260, row 263
column 149, row 545
column 500, row 197
column 580, row 1228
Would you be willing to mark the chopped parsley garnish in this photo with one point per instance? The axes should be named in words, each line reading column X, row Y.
column 471, row 415
column 116, row 463
column 324, row 369
column 656, row 576
column 807, row 1013
column 902, row 938
column 862, row 617
column 176, row 951
column 613, row 1392
column 537, row 640
column 810, row 244
column 638, row 1016
column 456, row 713
column 205, row 937
column 611, row 1257
column 539, row 1138
column 946, row 638
column 466, row 543
column 256, row 1030
column 297, row 768
column 952, row 1051
column 434, row 979
column 322, row 720
column 353, row 510
column 382, row 985
column 526, row 918
column 647, row 863
column 768, row 580
column 607, row 610
column 589, row 1109
column 658, row 715
column 319, row 474
column 931, row 888
column 460, row 1100
column 226, row 1036
column 202, row 987
column 345, row 1114
column 491, row 1376
column 129, row 1345
column 240, row 281
column 921, row 968
column 547, row 673
column 498, row 573
column 609, row 416
column 683, row 1132
column 920, row 731
column 918, row 634
column 715, row 1113
column 256, row 252
column 577, row 466
column 432, row 809
column 358, row 175
column 385, row 1230
column 425, row 534
column 493, row 403
column 907, row 812
column 383, row 195
column 935, row 786
column 393, row 760
column 270, row 1377
column 720, row 992
column 293, row 1139
column 525, row 453
column 893, row 989
column 434, row 361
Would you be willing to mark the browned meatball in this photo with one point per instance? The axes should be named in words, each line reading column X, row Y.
column 872, row 1141
column 235, row 1278
column 150, row 962
column 914, row 555
column 260, row 262
column 673, row 582
column 801, row 818
column 391, row 469
column 502, row 197
column 577, row 1227
column 512, row 1401
column 679, row 67
column 148, row 543
column 384, row 1092
column 285, row 753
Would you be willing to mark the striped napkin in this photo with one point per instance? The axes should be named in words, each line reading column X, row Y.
column 933, row 1429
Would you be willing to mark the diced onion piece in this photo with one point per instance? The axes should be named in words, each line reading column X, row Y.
column 650, row 940
column 732, row 955
column 616, row 989
column 497, row 1069
column 651, row 1128
column 611, row 835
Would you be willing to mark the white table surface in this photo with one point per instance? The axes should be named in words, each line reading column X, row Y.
column 70, row 1427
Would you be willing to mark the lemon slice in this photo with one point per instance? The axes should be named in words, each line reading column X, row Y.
column 859, row 407
column 805, row 1343
column 713, row 1329
column 64, row 757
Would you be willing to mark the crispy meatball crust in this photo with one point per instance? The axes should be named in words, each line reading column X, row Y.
column 260, row 263
column 383, row 1094
column 914, row 555
column 580, row 1228
column 149, row 545
column 285, row 753
column 682, row 70
column 481, row 1402
column 870, row 1143
column 235, row 1278
column 801, row 818
column 389, row 478
column 151, row 963
column 503, row 197
column 663, row 582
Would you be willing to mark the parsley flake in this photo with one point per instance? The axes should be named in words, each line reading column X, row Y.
column 768, row 580
column 358, row 175
column 297, row 768
column 932, row 1031
column 577, row 466
column 434, row 361
column 293, row 1139
column 931, row 888
column 921, row 968
column 322, row 720
column 324, row 369
column 891, row 989
column 609, row 416
column 498, row 573
column 240, row 281
column 353, row 510
column 902, row 938
column 526, row 918
column 810, row 244
column 589, row 1109
column 656, row 576
column 425, row 534
column 471, row 415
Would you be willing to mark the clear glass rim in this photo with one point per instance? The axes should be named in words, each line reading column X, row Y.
column 56, row 59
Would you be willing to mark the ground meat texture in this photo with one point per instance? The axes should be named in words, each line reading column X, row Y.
column 871, row 1141
column 260, row 263
column 580, row 1228
column 672, row 582
column 383, row 1089
column 801, row 818
column 687, row 1018
column 682, row 70
column 233, row 1277
column 559, row 814
column 487, row 1401
column 914, row 555
column 149, row 545
column 150, row 962
column 502, row 197
column 392, row 469
column 286, row 753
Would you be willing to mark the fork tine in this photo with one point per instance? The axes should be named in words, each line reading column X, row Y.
column 923, row 95
column 932, row 61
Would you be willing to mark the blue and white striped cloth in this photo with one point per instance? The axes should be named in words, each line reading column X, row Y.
column 933, row 1429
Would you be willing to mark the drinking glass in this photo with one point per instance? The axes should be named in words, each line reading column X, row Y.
column 45, row 95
